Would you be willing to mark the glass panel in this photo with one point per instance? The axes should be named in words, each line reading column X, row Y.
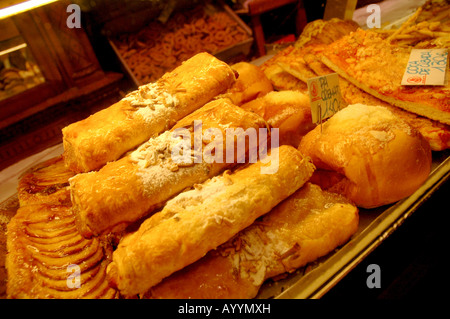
column 18, row 69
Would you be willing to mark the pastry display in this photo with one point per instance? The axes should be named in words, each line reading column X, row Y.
column 211, row 179
column 153, row 108
column 304, row 61
column 126, row 190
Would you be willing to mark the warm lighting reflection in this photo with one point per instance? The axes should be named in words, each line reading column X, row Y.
column 22, row 7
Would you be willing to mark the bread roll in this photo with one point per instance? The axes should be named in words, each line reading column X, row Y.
column 153, row 108
column 307, row 225
column 251, row 83
column 130, row 188
column 196, row 221
column 381, row 158
column 289, row 111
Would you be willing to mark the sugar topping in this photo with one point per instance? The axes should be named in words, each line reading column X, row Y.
column 151, row 100
column 377, row 121
column 156, row 165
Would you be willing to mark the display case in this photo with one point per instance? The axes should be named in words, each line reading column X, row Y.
column 47, row 70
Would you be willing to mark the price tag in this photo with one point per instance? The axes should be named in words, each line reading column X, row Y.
column 324, row 96
column 426, row 67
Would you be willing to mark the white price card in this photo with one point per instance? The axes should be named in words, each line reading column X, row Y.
column 324, row 96
column 426, row 67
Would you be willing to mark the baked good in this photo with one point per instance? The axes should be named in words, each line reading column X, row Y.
column 155, row 107
column 289, row 111
column 46, row 182
column 380, row 158
column 198, row 220
column 307, row 225
column 322, row 31
column 250, row 84
column 436, row 133
column 280, row 79
column 287, row 70
column 44, row 248
column 374, row 65
column 132, row 187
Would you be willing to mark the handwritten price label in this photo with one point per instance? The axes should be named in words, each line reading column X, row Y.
column 426, row 67
column 325, row 96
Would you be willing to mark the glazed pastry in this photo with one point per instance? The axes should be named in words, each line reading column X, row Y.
column 289, row 111
column 46, row 182
column 380, row 158
column 44, row 250
column 155, row 107
column 198, row 220
column 307, row 225
column 128, row 189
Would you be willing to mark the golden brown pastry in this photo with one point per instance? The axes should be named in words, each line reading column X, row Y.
column 381, row 158
column 44, row 250
column 289, row 111
column 128, row 189
column 280, row 79
column 196, row 221
column 46, row 182
column 153, row 108
column 325, row 31
column 305, row 226
column 250, row 84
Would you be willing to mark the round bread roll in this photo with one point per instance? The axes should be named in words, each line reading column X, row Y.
column 250, row 84
column 289, row 111
column 381, row 159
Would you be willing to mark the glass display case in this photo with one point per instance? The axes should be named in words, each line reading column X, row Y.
column 18, row 68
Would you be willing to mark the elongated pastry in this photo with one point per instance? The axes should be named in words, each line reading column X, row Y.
column 48, row 258
column 46, row 182
column 128, row 189
column 198, row 220
column 289, row 111
column 250, row 84
column 144, row 113
column 307, row 225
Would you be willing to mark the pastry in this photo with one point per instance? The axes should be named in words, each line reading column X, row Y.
column 380, row 158
column 199, row 220
column 155, row 107
column 307, row 225
column 126, row 190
